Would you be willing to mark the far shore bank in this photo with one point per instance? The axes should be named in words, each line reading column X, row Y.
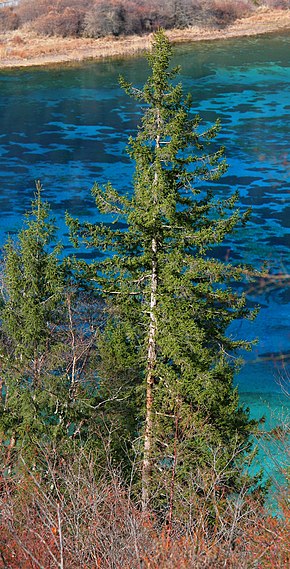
column 26, row 49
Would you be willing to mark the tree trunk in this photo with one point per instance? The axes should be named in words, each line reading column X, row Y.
column 152, row 352
column 151, row 362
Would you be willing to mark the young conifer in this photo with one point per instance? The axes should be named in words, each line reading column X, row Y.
column 33, row 287
column 166, row 348
column 33, row 283
column 47, row 343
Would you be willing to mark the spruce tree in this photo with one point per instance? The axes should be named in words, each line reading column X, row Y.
column 166, row 350
column 49, row 396
column 33, row 287
column 47, row 344
column 33, row 283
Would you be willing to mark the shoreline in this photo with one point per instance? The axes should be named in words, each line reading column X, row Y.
column 26, row 49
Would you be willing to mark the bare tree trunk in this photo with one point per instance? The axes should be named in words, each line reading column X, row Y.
column 151, row 362
column 36, row 370
column 73, row 344
column 61, row 551
column 152, row 352
column 172, row 484
column 10, row 448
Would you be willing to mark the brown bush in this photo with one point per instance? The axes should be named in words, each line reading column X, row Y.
column 106, row 18
column 182, row 14
column 283, row 4
column 9, row 20
column 226, row 11
column 82, row 6
column 70, row 517
column 28, row 11
column 117, row 17
column 97, row 18
column 54, row 17
column 67, row 23
column 154, row 16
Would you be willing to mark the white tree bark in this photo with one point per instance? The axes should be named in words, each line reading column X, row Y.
column 151, row 362
column 151, row 356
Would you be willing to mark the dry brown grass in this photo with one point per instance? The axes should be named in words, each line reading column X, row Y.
column 22, row 48
column 40, row 50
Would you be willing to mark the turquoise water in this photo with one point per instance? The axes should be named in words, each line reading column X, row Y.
column 68, row 126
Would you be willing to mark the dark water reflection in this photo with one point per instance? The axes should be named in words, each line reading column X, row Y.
column 68, row 126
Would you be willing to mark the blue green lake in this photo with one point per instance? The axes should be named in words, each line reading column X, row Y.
column 68, row 127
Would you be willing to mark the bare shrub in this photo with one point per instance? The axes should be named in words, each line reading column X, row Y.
column 207, row 12
column 97, row 18
column 74, row 516
column 283, row 4
column 116, row 18
column 54, row 17
column 183, row 13
column 9, row 20
column 106, row 18
column 226, row 11
column 73, row 13
column 84, row 5
column 67, row 23
column 154, row 16
column 74, row 519
column 28, row 11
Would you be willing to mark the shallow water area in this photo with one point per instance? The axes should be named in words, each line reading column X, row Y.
column 68, row 126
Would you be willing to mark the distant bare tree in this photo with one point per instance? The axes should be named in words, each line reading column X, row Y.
column 67, row 23
column 28, row 11
column 106, row 18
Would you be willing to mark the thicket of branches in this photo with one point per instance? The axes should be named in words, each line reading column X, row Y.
column 96, row 18
column 71, row 517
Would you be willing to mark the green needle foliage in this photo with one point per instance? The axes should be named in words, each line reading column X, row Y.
column 32, row 391
column 165, row 350
column 34, row 284
column 47, row 348
column 33, row 290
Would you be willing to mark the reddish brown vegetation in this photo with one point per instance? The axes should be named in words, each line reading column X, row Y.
column 9, row 20
column 277, row 3
column 96, row 18
column 69, row 518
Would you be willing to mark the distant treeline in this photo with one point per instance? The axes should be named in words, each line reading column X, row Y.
column 98, row 18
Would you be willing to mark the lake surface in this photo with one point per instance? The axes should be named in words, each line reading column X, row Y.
column 68, row 127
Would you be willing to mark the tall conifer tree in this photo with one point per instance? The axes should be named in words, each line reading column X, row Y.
column 169, row 302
